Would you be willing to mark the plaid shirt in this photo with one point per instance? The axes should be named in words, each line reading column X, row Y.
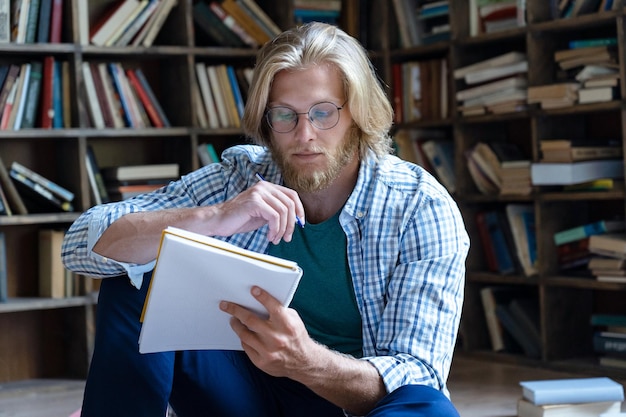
column 406, row 248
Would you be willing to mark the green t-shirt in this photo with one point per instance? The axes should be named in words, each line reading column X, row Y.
column 325, row 297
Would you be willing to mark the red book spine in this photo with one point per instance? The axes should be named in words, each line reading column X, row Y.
column 145, row 100
column 47, row 107
column 56, row 18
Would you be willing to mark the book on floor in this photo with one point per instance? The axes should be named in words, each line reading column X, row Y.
column 572, row 390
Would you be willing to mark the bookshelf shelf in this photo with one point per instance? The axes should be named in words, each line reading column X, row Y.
column 566, row 301
column 15, row 305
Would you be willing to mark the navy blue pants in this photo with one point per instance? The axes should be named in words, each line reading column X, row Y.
column 122, row 382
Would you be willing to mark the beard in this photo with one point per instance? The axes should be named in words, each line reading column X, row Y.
column 307, row 180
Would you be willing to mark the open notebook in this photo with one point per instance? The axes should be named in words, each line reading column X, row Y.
column 193, row 273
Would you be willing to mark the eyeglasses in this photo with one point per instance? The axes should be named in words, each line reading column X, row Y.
column 324, row 116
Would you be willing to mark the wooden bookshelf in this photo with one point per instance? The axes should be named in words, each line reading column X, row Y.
column 60, row 330
column 566, row 301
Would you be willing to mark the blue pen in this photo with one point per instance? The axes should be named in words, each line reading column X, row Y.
column 260, row 177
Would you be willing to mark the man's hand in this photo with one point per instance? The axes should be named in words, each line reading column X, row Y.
column 263, row 203
column 278, row 345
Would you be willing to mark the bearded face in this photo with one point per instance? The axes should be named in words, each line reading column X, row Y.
column 319, row 174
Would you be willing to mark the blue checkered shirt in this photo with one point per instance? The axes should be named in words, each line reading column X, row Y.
column 406, row 246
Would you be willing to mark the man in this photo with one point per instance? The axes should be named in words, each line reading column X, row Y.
column 372, row 326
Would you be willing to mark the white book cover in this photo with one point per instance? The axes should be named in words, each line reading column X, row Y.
column 567, row 173
column 193, row 274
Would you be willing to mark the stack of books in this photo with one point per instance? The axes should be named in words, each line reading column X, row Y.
column 495, row 85
column 611, row 245
column 554, row 96
column 609, row 339
column 572, row 244
column 499, row 168
column 489, row 16
column 584, row 397
column 594, row 64
column 124, row 182
column 434, row 21
column 567, row 150
column 327, row 11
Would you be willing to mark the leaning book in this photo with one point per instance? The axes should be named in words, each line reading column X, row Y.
column 193, row 273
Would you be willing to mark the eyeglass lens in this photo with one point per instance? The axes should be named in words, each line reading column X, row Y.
column 323, row 116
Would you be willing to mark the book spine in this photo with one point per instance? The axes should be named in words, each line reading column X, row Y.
column 145, row 100
column 608, row 344
column 3, row 269
column 57, row 95
column 44, row 182
column 56, row 19
column 46, row 107
column 41, row 191
column 152, row 97
column 32, row 96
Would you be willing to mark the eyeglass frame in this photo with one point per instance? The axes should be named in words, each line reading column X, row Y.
column 339, row 108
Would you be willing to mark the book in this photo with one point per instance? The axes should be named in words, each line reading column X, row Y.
column 95, row 176
column 521, row 218
column 211, row 25
column 51, row 269
column 608, row 320
column 508, row 58
column 530, row 346
column 4, row 294
column 207, row 154
column 208, row 266
column 610, row 244
column 557, row 173
column 56, row 20
column 572, row 390
column 37, row 198
column 232, row 24
column 17, row 112
column 15, row 200
column 135, row 26
column 111, row 97
column 140, row 172
column 440, row 154
column 597, row 94
column 93, row 104
column 46, row 105
column 527, row 409
column 56, row 189
column 588, row 229
column 57, row 95
column 153, row 115
column 609, row 342
column 123, row 192
column 206, row 92
column 246, row 21
column 112, row 20
column 143, row 82
column 31, row 21
column 154, row 25
column 32, row 96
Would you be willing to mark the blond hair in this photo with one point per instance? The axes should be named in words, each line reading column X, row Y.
column 312, row 44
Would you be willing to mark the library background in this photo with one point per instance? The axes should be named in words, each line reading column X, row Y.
column 515, row 105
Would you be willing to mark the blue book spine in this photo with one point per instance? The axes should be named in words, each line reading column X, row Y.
column 117, row 82
column 232, row 78
column 504, row 258
column 57, row 96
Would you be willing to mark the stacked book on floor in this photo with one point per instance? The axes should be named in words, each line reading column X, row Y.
column 494, row 85
column 571, row 397
column 490, row 16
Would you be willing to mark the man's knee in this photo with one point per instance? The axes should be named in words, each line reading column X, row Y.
column 414, row 401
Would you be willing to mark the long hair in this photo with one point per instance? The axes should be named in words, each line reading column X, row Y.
column 316, row 43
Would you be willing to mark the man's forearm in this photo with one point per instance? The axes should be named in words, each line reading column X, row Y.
column 135, row 237
column 351, row 384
